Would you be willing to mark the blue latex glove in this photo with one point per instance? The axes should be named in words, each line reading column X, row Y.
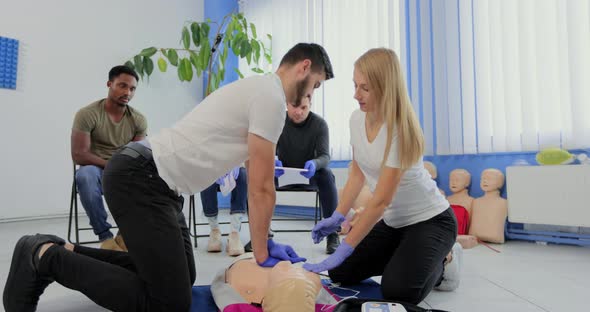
column 342, row 252
column 269, row 262
column 235, row 172
column 310, row 166
column 326, row 226
column 279, row 172
column 283, row 252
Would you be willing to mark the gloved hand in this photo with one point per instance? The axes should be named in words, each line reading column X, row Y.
column 310, row 166
column 326, row 226
column 235, row 172
column 279, row 172
column 342, row 252
column 269, row 262
column 283, row 252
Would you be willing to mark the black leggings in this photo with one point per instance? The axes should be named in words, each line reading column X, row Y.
column 159, row 270
column 409, row 259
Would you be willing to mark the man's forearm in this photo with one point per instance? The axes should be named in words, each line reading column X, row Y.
column 261, row 206
column 88, row 158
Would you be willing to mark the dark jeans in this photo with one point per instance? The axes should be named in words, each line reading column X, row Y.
column 409, row 259
column 239, row 196
column 158, row 272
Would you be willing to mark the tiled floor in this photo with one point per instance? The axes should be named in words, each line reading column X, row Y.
column 522, row 277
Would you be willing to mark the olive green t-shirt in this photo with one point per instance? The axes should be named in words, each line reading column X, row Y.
column 106, row 136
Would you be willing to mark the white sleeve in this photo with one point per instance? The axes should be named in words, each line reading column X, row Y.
column 267, row 118
column 393, row 157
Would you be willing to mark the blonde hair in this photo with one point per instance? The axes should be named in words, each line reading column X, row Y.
column 383, row 73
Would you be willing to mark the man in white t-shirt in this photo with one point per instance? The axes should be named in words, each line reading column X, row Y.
column 142, row 183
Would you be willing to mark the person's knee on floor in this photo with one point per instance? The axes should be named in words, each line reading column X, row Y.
column 397, row 291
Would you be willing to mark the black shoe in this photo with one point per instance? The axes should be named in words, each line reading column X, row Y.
column 248, row 247
column 332, row 242
column 24, row 285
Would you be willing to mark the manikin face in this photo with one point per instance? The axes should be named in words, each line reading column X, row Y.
column 491, row 180
column 121, row 89
column 299, row 114
column 458, row 181
column 362, row 92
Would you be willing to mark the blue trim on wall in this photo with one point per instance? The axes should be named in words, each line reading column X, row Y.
column 460, row 75
column 216, row 10
column 419, row 60
column 408, row 48
column 474, row 78
column 432, row 87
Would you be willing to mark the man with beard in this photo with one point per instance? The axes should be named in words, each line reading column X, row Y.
column 99, row 130
column 142, row 184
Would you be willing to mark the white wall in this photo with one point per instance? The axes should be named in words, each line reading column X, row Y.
column 66, row 50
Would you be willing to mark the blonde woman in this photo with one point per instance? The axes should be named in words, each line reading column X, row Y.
column 408, row 246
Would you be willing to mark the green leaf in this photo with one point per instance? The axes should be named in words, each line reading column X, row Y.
column 148, row 52
column 196, row 31
column 205, row 31
column 268, row 58
column 194, row 57
column 222, row 74
column 187, row 69
column 205, row 54
column 179, row 72
column 172, row 57
column 148, row 65
column 258, row 70
column 239, row 73
column 269, row 37
column 213, row 82
column 224, row 54
column 138, row 65
column 162, row 65
column 244, row 48
column 130, row 65
column 249, row 57
column 253, row 29
column 256, row 48
column 186, row 38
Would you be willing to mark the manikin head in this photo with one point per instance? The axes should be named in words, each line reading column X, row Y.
column 284, row 287
column 491, row 180
column 431, row 168
column 459, row 179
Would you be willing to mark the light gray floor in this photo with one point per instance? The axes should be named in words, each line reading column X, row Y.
column 522, row 277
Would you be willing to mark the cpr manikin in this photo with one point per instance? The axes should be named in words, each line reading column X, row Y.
column 285, row 287
column 431, row 168
column 489, row 212
column 459, row 180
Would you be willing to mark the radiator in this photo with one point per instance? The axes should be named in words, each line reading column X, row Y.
column 555, row 195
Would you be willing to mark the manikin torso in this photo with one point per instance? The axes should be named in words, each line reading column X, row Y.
column 490, row 210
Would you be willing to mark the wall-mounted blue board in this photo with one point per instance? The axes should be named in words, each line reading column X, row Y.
column 8, row 62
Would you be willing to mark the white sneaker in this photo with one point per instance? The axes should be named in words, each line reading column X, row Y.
column 452, row 272
column 214, row 244
column 234, row 245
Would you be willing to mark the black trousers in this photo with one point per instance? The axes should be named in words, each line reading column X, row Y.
column 158, row 272
column 326, row 183
column 409, row 259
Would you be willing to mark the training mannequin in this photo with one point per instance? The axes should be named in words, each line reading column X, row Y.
column 284, row 287
column 459, row 180
column 431, row 168
column 489, row 212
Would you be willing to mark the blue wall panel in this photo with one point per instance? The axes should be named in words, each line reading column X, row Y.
column 8, row 62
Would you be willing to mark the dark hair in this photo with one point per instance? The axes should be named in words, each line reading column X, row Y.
column 122, row 69
column 313, row 52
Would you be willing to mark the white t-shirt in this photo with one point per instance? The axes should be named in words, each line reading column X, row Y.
column 213, row 137
column 417, row 197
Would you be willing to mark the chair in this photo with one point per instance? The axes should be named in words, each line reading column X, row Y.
column 300, row 188
column 74, row 215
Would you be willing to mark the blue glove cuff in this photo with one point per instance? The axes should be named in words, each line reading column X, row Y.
column 338, row 216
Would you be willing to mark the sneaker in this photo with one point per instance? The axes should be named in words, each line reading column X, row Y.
column 24, row 285
column 110, row 244
column 452, row 271
column 332, row 243
column 234, row 245
column 120, row 242
column 214, row 244
column 248, row 247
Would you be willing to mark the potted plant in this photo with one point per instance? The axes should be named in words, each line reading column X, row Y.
column 199, row 54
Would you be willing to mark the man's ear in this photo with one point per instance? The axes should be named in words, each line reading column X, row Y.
column 109, row 83
column 306, row 66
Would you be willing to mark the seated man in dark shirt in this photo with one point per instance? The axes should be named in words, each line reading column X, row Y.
column 305, row 143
